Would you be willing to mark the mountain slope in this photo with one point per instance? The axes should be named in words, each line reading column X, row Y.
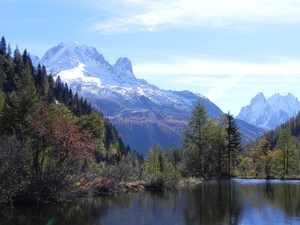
column 271, row 112
column 143, row 113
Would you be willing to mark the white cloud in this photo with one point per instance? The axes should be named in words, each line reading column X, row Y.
column 227, row 83
column 222, row 86
column 195, row 66
column 136, row 15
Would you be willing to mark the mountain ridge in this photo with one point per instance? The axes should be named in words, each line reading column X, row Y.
column 143, row 113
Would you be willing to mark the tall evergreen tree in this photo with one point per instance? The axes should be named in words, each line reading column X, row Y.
column 8, row 74
column 20, row 104
column 18, row 63
column 77, row 105
column 58, row 88
column 234, row 142
column 2, row 46
column 27, row 61
column 25, row 57
column 1, row 77
column 8, row 50
column 44, row 83
column 38, row 75
column 196, row 139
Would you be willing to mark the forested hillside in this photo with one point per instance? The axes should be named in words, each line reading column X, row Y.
column 277, row 152
column 49, row 136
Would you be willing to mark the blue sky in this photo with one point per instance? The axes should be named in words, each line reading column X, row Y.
column 227, row 50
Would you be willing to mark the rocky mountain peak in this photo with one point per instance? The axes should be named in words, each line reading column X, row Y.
column 124, row 64
column 123, row 71
column 69, row 54
column 259, row 99
column 271, row 112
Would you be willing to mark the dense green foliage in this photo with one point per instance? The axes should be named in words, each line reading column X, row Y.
column 211, row 147
column 276, row 154
column 159, row 172
column 52, row 141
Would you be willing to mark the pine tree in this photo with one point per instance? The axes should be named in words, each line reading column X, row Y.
column 7, row 72
column 58, row 88
column 8, row 50
column 27, row 61
column 196, row 139
column 18, row 63
column 44, row 83
column 21, row 104
column 2, row 46
column 1, row 77
column 77, row 105
column 51, row 82
column 38, row 75
column 65, row 95
column 234, row 142
column 2, row 102
column 25, row 57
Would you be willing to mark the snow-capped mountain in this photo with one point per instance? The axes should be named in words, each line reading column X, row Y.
column 143, row 113
column 271, row 112
column 88, row 73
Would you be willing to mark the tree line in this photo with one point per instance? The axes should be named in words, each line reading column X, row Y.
column 211, row 148
column 276, row 154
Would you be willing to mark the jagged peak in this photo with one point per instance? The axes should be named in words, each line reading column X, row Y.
column 261, row 112
column 124, row 63
column 260, row 95
column 279, row 97
column 258, row 98
column 291, row 96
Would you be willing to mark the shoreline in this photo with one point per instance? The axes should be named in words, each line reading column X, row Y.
column 139, row 186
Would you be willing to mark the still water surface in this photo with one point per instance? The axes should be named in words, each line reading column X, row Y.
column 211, row 203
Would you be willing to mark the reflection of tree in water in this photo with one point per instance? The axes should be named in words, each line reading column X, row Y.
column 137, row 208
column 147, row 208
column 287, row 198
column 256, row 194
column 213, row 204
column 83, row 211
column 283, row 195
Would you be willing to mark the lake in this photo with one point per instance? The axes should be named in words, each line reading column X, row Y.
column 211, row 203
